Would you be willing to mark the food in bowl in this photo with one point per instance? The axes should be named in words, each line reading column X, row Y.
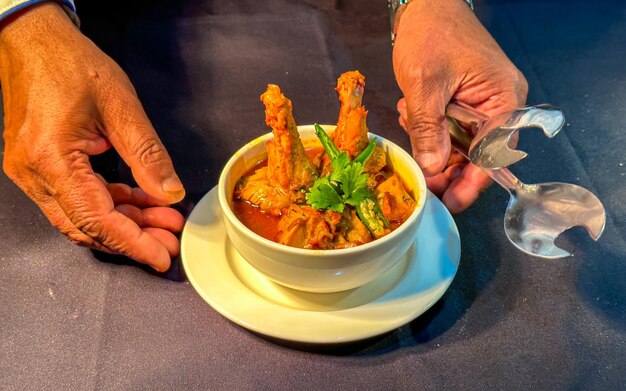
column 336, row 192
column 310, row 269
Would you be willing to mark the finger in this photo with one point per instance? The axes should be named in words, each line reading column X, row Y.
column 438, row 184
column 427, row 128
column 166, row 218
column 455, row 156
column 463, row 191
column 157, row 217
column 171, row 243
column 460, row 185
column 56, row 216
column 131, row 133
column 89, row 206
column 60, row 221
column 124, row 194
column 95, row 145
column 510, row 94
column 155, row 225
column 504, row 91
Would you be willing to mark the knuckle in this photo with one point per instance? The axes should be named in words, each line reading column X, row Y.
column 77, row 237
column 78, row 162
column 34, row 159
column 73, row 234
column 422, row 145
column 94, row 231
column 150, row 151
column 516, row 84
column 425, row 134
column 519, row 79
column 92, row 226
column 522, row 85
column 423, row 125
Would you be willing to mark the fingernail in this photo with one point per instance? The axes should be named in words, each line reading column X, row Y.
column 162, row 266
column 157, row 269
column 172, row 185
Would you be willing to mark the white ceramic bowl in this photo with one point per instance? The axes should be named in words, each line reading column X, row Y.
column 320, row 271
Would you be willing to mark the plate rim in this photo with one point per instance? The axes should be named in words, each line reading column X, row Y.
column 407, row 318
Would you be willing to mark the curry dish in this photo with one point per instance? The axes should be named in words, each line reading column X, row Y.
column 336, row 193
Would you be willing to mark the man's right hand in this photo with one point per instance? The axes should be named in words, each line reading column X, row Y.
column 65, row 100
column 443, row 53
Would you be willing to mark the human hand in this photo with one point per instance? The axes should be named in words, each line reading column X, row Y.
column 65, row 100
column 443, row 53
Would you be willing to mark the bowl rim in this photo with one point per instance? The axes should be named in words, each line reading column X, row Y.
column 225, row 199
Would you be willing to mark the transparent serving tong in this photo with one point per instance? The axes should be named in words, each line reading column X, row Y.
column 491, row 146
column 537, row 213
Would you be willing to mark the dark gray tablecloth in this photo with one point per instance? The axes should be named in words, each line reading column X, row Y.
column 73, row 320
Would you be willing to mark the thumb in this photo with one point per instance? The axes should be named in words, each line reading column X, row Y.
column 128, row 128
column 426, row 125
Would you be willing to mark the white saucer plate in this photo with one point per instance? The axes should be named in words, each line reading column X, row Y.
column 226, row 281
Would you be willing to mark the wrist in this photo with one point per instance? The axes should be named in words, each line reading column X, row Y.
column 27, row 31
column 398, row 7
column 11, row 9
column 37, row 19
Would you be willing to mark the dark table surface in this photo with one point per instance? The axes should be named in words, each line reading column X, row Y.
column 71, row 319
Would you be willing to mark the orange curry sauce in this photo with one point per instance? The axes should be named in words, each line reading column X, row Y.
column 266, row 224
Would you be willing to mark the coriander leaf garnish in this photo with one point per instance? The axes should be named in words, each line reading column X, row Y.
column 352, row 178
column 347, row 185
column 338, row 165
column 324, row 196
